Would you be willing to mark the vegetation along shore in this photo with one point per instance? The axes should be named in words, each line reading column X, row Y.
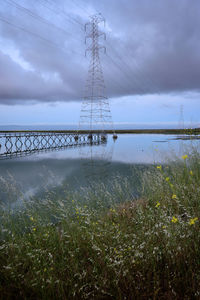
column 187, row 131
column 106, row 244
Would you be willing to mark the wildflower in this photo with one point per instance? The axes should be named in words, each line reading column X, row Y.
column 184, row 156
column 191, row 173
column 45, row 269
column 159, row 167
column 167, row 179
column 34, row 229
column 192, row 221
column 31, row 218
column 174, row 220
column 72, row 201
column 174, row 196
column 164, row 227
column 157, row 204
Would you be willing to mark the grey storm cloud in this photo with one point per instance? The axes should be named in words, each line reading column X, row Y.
column 152, row 47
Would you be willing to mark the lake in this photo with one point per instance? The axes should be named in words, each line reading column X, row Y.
column 36, row 174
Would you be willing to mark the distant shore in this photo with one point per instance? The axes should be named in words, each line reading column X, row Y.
column 118, row 131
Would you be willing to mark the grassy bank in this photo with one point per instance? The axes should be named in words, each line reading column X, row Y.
column 146, row 248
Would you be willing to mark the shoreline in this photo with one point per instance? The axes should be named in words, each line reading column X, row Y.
column 188, row 131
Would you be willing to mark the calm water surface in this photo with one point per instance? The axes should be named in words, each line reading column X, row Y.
column 77, row 166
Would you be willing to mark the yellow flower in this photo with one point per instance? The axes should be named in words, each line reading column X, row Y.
column 31, row 218
column 159, row 167
column 192, row 221
column 34, row 229
column 174, row 220
column 45, row 269
column 184, row 156
column 174, row 196
column 167, row 178
column 191, row 173
column 164, row 227
column 157, row 204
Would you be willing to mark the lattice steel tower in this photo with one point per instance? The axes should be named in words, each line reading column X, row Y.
column 95, row 110
column 181, row 118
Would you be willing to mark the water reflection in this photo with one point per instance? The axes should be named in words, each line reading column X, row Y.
column 73, row 168
column 96, row 161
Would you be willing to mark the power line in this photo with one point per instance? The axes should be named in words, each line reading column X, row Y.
column 37, row 17
column 121, row 68
column 123, row 62
column 116, row 83
column 43, row 20
column 81, row 7
column 36, row 35
column 116, row 64
column 126, row 74
column 134, row 77
column 149, row 83
column 87, row 12
column 146, row 82
column 59, row 11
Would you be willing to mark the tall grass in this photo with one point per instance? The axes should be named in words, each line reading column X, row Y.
column 100, row 248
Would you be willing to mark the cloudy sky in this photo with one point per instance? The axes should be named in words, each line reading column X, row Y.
column 151, row 67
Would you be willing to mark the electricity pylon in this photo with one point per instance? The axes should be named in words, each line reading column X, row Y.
column 181, row 118
column 95, row 110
